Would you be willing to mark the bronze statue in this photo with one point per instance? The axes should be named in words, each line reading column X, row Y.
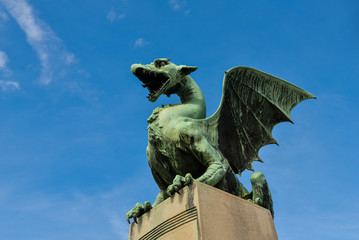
column 184, row 145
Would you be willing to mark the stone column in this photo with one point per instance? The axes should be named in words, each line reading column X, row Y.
column 206, row 213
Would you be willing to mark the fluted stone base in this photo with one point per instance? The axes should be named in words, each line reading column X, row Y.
column 206, row 213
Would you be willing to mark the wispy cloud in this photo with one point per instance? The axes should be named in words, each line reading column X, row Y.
column 9, row 85
column 140, row 42
column 70, row 215
column 6, row 85
column 119, row 226
column 3, row 64
column 112, row 16
column 3, row 60
column 49, row 48
column 179, row 5
column 335, row 223
column 176, row 4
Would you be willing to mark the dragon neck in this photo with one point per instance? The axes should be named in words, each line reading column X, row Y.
column 193, row 103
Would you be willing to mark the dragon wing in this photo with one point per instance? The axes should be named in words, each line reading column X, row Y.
column 253, row 102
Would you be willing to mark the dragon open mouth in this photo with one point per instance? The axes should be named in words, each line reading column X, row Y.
column 155, row 81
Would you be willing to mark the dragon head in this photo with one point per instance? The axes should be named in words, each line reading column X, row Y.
column 161, row 77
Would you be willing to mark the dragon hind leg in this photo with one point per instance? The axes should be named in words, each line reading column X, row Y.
column 260, row 192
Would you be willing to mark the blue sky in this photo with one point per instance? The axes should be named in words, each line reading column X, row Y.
column 73, row 117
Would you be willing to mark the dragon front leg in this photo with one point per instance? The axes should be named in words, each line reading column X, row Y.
column 210, row 158
column 202, row 151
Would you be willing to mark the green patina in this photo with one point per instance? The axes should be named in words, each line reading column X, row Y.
column 184, row 145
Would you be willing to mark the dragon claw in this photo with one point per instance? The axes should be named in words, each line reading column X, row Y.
column 137, row 211
column 178, row 183
column 188, row 179
column 147, row 206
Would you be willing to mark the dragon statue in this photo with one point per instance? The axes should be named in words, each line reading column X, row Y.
column 184, row 145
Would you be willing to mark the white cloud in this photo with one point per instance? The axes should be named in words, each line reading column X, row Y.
column 3, row 60
column 177, row 4
column 140, row 42
column 49, row 48
column 68, row 215
column 70, row 58
column 119, row 226
column 3, row 63
column 9, row 85
column 112, row 16
column 121, row 16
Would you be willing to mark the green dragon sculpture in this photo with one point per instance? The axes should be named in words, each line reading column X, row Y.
column 184, row 145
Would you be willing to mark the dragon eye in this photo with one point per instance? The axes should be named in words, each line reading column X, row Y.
column 161, row 62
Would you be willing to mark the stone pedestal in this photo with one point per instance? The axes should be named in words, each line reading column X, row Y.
column 206, row 213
